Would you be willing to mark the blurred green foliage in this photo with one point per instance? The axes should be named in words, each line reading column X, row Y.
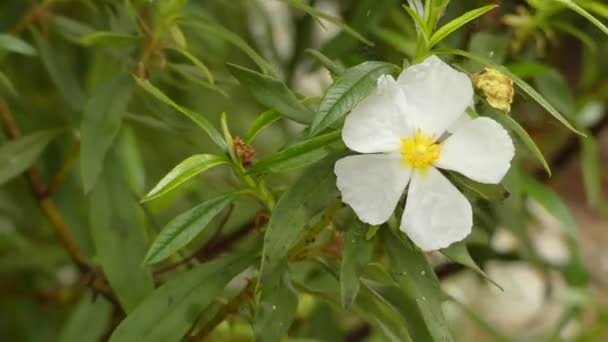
column 132, row 207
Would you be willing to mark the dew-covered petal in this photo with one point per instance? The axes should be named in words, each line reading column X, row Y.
column 378, row 122
column 436, row 214
column 438, row 93
column 372, row 184
column 480, row 149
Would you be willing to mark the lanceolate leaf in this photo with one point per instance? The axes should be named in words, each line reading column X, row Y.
column 185, row 170
column 459, row 253
column 197, row 118
column 417, row 279
column 185, row 227
column 273, row 93
column 300, row 155
column 312, row 193
column 513, row 126
column 172, row 309
column 88, row 320
column 347, row 91
column 18, row 155
column 101, row 122
column 457, row 23
column 357, row 254
column 591, row 168
column 14, row 44
column 264, row 120
column 108, row 39
column 276, row 308
column 118, row 235
column 521, row 83
column 578, row 9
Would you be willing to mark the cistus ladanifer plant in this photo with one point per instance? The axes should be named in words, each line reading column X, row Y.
column 302, row 170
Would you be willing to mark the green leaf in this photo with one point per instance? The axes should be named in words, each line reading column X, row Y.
column 309, row 196
column 61, row 74
column 101, row 122
column 300, row 154
column 512, row 125
column 20, row 154
column 277, row 307
column 521, row 83
column 185, row 227
column 6, row 83
column 578, row 9
column 70, row 29
column 489, row 192
column 88, row 320
column 459, row 253
column 591, row 168
column 172, row 309
column 357, row 254
column 262, row 121
column 204, row 70
column 333, row 67
column 554, row 87
column 420, row 24
column 417, row 279
column 347, row 91
column 457, row 23
column 297, row 4
column 273, row 93
column 234, row 39
column 108, row 39
column 197, row 118
column 14, row 44
column 185, row 170
column 119, row 236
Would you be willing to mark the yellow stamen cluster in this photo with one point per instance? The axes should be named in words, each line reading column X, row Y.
column 419, row 150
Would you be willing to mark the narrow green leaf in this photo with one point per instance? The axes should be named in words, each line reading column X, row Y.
column 193, row 74
column 234, row 39
column 15, row 44
column 333, row 67
column 420, row 24
column 204, row 70
column 197, row 118
column 185, row 227
column 555, row 88
column 119, row 236
column 277, row 307
column 185, row 170
column 300, row 154
column 88, row 320
column 6, row 83
column 310, row 195
column 347, row 91
column 578, row 9
column 489, row 192
column 417, row 279
column 273, row 93
column 512, row 125
column 297, row 4
column 108, row 39
column 521, row 83
column 592, row 174
column 457, row 23
column 101, row 122
column 459, row 253
column 357, row 254
column 262, row 121
column 18, row 155
column 172, row 309
column 71, row 29
column 596, row 7
column 61, row 74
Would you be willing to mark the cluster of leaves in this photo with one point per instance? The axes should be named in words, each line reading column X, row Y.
column 112, row 94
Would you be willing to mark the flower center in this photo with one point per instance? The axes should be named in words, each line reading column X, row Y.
column 418, row 151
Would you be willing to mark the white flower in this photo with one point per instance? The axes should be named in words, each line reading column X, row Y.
column 397, row 128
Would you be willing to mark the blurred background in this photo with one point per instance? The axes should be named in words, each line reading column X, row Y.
column 65, row 49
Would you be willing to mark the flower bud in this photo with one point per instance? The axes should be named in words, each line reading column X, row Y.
column 496, row 87
column 244, row 151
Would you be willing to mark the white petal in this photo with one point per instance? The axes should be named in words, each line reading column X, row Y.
column 480, row 149
column 436, row 214
column 378, row 122
column 438, row 93
column 372, row 184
